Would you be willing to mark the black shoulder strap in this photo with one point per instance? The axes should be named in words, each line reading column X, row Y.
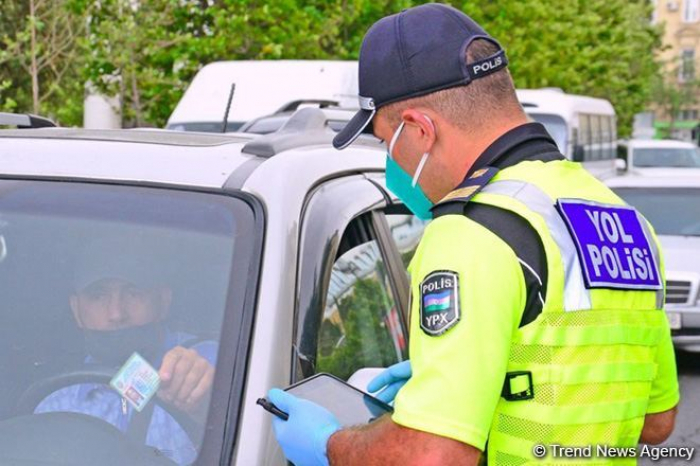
column 513, row 229
column 527, row 245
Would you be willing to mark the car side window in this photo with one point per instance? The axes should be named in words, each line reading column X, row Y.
column 406, row 231
column 361, row 324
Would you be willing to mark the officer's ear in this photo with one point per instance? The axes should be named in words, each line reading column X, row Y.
column 423, row 126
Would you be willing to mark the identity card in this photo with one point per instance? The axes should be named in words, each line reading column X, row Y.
column 137, row 381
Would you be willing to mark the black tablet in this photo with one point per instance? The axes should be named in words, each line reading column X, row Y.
column 350, row 405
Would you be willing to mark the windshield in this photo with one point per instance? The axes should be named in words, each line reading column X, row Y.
column 113, row 283
column 672, row 211
column 556, row 127
column 666, row 157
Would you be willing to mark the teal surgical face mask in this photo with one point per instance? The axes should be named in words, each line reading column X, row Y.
column 406, row 188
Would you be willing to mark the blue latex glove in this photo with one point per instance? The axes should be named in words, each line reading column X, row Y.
column 391, row 381
column 304, row 436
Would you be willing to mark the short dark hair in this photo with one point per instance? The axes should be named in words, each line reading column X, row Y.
column 471, row 105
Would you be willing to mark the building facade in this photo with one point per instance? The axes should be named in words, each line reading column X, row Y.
column 678, row 110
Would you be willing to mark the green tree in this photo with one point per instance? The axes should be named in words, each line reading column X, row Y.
column 39, row 57
column 148, row 51
column 364, row 340
column 671, row 95
column 132, row 49
column 601, row 48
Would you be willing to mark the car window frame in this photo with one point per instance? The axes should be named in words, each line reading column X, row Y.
column 396, row 207
column 329, row 212
column 224, row 412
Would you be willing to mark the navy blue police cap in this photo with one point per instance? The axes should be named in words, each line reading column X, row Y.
column 413, row 53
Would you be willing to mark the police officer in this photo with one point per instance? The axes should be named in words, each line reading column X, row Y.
column 537, row 294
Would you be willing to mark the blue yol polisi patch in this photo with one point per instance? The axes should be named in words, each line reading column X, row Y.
column 612, row 244
column 439, row 302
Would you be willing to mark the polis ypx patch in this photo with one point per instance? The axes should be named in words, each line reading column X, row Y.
column 439, row 302
column 613, row 247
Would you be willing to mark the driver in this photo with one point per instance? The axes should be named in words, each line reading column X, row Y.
column 120, row 302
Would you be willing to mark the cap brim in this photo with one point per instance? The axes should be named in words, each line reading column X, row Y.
column 359, row 124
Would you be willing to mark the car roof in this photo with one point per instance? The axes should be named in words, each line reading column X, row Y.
column 646, row 181
column 136, row 135
column 157, row 156
column 660, row 143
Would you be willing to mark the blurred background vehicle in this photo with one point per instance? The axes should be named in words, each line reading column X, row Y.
column 24, row 121
column 672, row 205
column 336, row 117
column 663, row 157
column 268, row 92
column 262, row 87
column 584, row 128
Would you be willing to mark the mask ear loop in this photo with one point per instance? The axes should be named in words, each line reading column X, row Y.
column 420, row 169
column 423, row 159
column 395, row 138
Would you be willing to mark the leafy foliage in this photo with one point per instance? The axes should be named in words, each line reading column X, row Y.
column 364, row 340
column 601, row 48
column 672, row 96
column 147, row 51
column 38, row 52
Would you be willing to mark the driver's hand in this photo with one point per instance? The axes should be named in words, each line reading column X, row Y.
column 185, row 380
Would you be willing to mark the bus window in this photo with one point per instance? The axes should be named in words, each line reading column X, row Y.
column 613, row 138
column 606, row 135
column 596, row 139
column 584, row 135
column 587, row 123
column 555, row 126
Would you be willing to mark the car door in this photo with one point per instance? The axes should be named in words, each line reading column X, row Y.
column 353, row 307
column 405, row 231
column 352, row 285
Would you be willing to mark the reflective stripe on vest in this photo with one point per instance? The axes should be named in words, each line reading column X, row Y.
column 576, row 295
column 591, row 370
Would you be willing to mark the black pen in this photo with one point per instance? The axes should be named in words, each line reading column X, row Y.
column 271, row 408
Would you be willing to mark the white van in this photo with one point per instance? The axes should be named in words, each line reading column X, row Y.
column 262, row 88
column 583, row 127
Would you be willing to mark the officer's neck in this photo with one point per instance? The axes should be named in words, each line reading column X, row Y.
column 463, row 148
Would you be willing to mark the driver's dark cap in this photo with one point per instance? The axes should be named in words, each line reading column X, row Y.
column 413, row 53
column 133, row 260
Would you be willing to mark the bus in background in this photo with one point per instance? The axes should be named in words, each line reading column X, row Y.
column 583, row 127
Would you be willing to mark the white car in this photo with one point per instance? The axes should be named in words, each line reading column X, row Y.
column 672, row 205
column 664, row 157
column 287, row 254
